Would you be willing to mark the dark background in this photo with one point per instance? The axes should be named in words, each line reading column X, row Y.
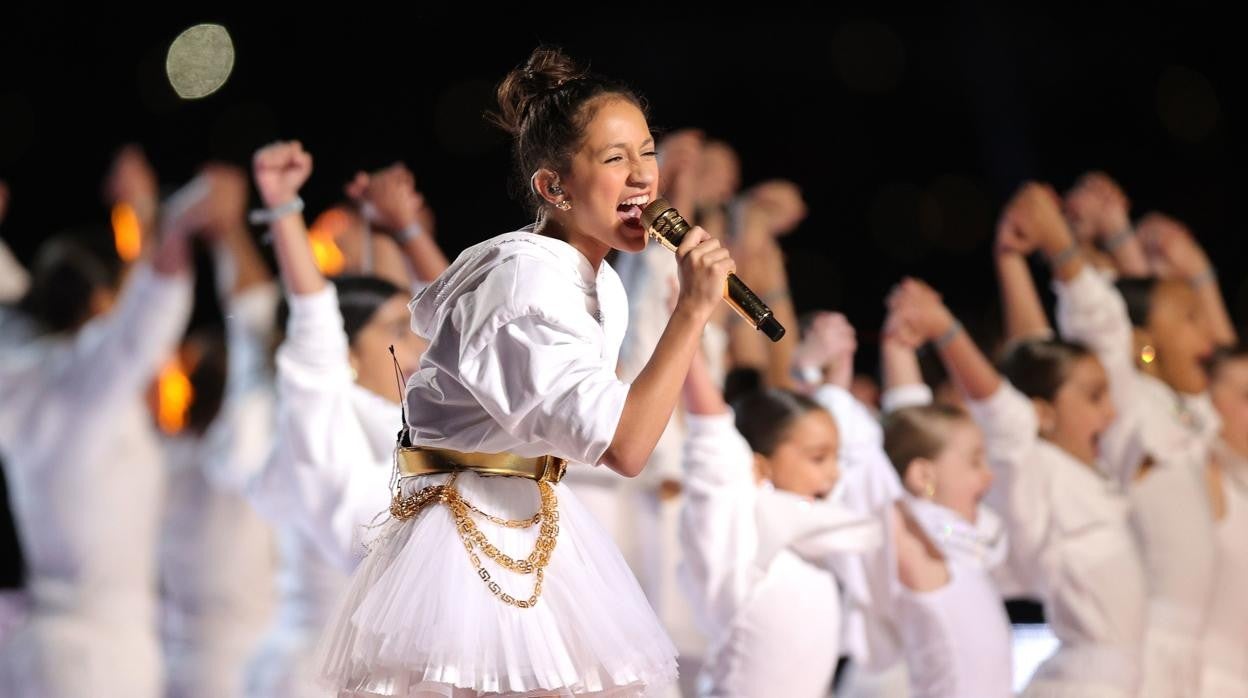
column 906, row 132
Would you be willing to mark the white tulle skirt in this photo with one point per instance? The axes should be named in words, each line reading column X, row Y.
column 416, row 620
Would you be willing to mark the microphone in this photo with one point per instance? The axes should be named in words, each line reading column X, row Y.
column 665, row 225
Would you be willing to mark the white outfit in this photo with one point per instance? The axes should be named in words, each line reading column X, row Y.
column 878, row 669
column 86, row 477
column 1170, row 504
column 1225, row 671
column 326, row 480
column 1069, row 524
column 868, row 479
column 524, row 341
column 868, row 483
column 956, row 639
column 218, row 557
column 758, row 570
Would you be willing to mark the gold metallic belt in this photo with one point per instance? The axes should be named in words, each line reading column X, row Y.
column 423, row 460
column 545, row 470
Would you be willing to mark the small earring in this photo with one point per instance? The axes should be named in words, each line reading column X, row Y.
column 564, row 205
column 355, row 375
column 1148, row 354
column 556, row 189
column 930, row 490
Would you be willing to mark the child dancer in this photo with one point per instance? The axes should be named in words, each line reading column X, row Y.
column 760, row 535
column 1159, row 447
column 945, row 542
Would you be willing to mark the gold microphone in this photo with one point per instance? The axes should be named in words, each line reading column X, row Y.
column 666, row 225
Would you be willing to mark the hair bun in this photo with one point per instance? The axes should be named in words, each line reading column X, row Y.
column 547, row 69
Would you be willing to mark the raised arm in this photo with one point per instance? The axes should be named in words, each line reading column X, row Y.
column 390, row 199
column 280, row 169
column 1020, row 302
column 1100, row 214
column 1174, row 253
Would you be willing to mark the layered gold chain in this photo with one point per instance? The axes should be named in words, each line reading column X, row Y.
column 473, row 539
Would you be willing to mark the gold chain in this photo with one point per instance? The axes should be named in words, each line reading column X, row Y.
column 508, row 523
column 403, row 508
column 409, row 507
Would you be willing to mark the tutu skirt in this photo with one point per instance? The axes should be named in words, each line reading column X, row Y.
column 416, row 619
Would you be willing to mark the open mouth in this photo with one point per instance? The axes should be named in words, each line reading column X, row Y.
column 629, row 210
column 1205, row 361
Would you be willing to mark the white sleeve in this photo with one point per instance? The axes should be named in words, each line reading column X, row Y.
column 320, row 476
column 112, row 358
column 362, row 500
column 313, row 358
column 330, row 502
column 902, row 396
column 871, row 485
column 1021, row 487
column 249, row 325
column 870, row 481
column 125, row 349
column 542, row 379
column 870, row 582
column 718, row 535
column 242, row 434
column 1092, row 312
column 314, row 383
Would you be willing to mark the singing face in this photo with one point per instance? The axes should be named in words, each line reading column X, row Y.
column 959, row 476
column 612, row 176
column 1081, row 410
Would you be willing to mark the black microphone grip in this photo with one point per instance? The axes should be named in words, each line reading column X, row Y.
column 668, row 227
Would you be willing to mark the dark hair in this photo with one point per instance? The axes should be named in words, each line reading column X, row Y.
column 1224, row 355
column 764, row 417
column 1138, row 293
column 740, row 382
column 359, row 297
column 918, row 432
column 1039, row 367
column 208, row 377
column 68, row 269
column 545, row 105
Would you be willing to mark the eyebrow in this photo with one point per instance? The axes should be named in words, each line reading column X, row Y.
column 649, row 140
